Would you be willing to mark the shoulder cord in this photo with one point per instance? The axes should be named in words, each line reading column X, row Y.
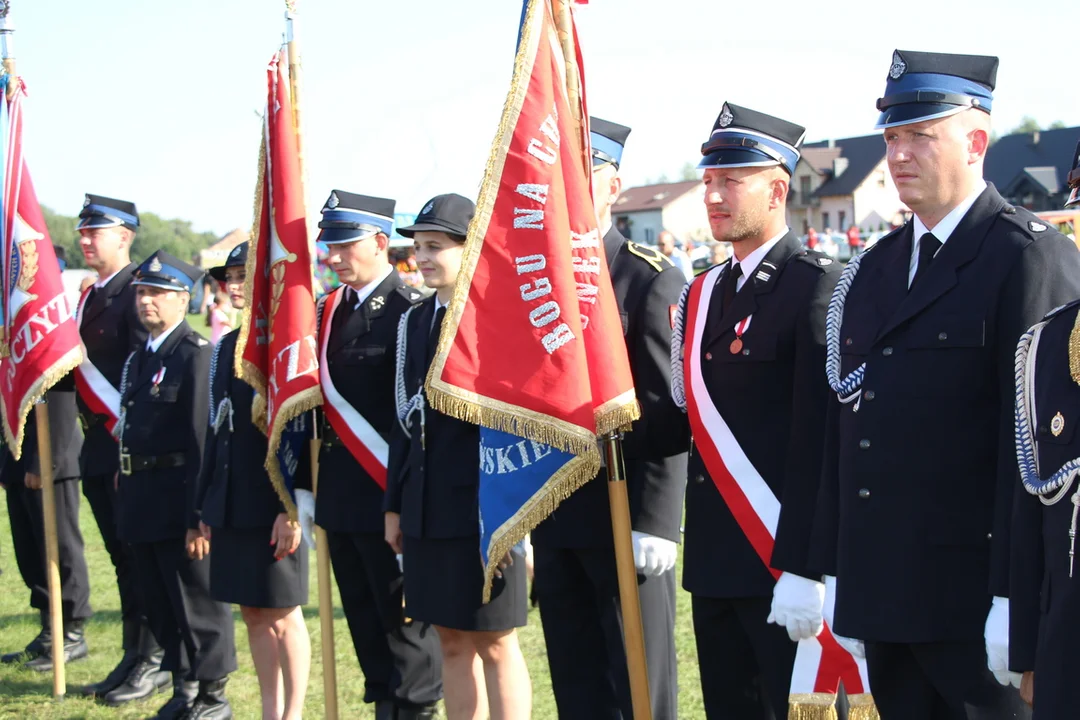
column 218, row 413
column 118, row 428
column 847, row 389
column 678, row 390
column 406, row 405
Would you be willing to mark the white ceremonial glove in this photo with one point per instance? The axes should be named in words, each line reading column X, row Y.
column 855, row 647
column 997, row 643
column 400, row 563
column 796, row 605
column 653, row 556
column 305, row 511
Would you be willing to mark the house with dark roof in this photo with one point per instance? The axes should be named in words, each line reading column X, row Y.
column 642, row 212
column 1030, row 169
column 839, row 183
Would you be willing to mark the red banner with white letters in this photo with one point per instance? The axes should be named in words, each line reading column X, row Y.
column 41, row 343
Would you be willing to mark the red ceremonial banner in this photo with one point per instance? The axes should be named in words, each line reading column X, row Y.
column 535, row 344
column 276, row 353
column 41, row 343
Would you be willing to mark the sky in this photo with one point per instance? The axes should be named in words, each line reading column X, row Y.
column 158, row 102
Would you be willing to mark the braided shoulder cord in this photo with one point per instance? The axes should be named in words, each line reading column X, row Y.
column 218, row 413
column 678, row 390
column 406, row 405
column 1051, row 490
column 846, row 389
column 118, row 428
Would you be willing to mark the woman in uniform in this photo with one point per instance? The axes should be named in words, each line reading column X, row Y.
column 259, row 560
column 432, row 505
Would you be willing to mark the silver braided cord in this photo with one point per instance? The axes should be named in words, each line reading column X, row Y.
column 118, row 429
column 406, row 405
column 847, row 389
column 218, row 413
column 678, row 390
column 1051, row 490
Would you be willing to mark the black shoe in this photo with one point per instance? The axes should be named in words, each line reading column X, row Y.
column 75, row 648
column 115, row 678
column 40, row 645
column 144, row 680
column 425, row 712
column 183, row 698
column 211, row 703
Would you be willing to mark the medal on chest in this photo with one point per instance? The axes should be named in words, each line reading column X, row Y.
column 156, row 380
column 740, row 328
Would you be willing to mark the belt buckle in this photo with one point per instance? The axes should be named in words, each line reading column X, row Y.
column 125, row 463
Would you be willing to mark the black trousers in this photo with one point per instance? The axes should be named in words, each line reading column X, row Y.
column 401, row 662
column 28, row 540
column 101, row 494
column 195, row 630
column 745, row 662
column 578, row 592
column 939, row 681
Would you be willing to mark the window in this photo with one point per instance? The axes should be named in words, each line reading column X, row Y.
column 825, row 221
column 649, row 238
column 841, row 220
column 804, row 188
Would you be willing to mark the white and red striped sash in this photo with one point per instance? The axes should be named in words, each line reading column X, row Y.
column 356, row 433
column 820, row 662
column 93, row 387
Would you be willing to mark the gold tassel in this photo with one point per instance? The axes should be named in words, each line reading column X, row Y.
column 862, row 707
column 812, row 706
column 42, row 385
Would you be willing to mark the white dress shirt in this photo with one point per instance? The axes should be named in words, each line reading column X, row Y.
column 359, row 296
column 943, row 229
column 154, row 344
column 749, row 264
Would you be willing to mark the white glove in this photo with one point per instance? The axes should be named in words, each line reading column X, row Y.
column 653, row 556
column 400, row 563
column 855, row 647
column 796, row 604
column 305, row 511
column 997, row 642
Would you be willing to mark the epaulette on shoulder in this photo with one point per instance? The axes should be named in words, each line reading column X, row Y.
column 196, row 339
column 1028, row 222
column 410, row 293
column 1061, row 308
column 817, row 259
column 658, row 260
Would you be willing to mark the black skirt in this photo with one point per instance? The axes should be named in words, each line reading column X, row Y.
column 243, row 570
column 444, row 585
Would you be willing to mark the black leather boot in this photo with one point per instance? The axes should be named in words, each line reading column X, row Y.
column 40, row 645
column 75, row 648
column 145, row 679
column 183, row 698
column 426, row 712
column 118, row 674
column 211, row 703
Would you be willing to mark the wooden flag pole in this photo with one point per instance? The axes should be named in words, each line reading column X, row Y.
column 52, row 547
column 322, row 545
column 633, row 630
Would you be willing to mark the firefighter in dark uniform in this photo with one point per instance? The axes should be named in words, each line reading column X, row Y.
column 1044, row 600
column 920, row 463
column 760, row 354
column 22, row 480
column 432, row 502
column 575, row 576
column 259, row 559
column 164, row 397
column 110, row 330
column 400, row 663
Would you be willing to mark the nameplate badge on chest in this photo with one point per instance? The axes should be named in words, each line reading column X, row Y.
column 156, row 380
column 740, row 328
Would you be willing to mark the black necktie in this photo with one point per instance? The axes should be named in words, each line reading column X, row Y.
column 928, row 247
column 731, row 284
column 433, row 335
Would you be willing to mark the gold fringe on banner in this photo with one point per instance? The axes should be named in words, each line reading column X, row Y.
column 862, row 707
column 246, row 371
column 42, row 385
column 296, row 405
column 1074, row 351
column 812, row 706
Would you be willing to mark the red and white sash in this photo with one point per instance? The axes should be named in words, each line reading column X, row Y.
column 820, row 663
column 356, row 433
column 94, row 389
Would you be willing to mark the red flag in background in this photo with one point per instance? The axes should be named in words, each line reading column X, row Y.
column 276, row 353
column 42, row 340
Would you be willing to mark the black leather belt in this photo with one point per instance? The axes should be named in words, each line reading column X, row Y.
column 136, row 463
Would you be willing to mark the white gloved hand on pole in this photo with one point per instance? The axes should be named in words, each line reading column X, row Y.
column 305, row 511
column 828, row 612
column 653, row 556
column 997, row 642
column 796, row 605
